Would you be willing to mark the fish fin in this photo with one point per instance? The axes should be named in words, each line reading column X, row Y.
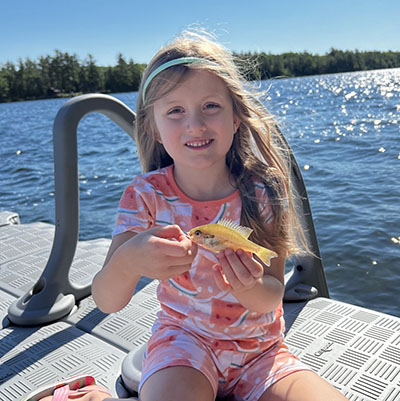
column 266, row 255
column 245, row 231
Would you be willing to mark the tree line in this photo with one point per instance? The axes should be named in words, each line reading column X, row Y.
column 62, row 74
column 302, row 64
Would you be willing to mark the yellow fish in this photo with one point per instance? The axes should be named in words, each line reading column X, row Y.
column 227, row 234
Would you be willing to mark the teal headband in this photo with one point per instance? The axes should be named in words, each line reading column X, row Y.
column 171, row 63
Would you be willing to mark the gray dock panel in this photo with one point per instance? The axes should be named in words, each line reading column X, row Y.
column 33, row 357
column 357, row 350
column 128, row 328
column 24, row 252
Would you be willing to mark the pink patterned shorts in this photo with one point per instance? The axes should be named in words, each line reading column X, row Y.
column 229, row 371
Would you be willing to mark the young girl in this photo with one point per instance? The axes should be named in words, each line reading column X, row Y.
column 209, row 151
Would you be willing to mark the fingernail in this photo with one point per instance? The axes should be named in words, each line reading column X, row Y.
column 216, row 267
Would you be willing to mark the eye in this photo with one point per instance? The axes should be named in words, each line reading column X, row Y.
column 175, row 110
column 212, row 106
column 197, row 233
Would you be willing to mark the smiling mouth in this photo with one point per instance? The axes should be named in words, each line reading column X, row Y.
column 198, row 144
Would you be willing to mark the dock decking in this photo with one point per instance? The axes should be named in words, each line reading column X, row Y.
column 356, row 349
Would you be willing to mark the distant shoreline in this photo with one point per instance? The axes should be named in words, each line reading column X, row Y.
column 70, row 95
column 63, row 75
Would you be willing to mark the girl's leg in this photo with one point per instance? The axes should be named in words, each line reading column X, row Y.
column 177, row 383
column 302, row 386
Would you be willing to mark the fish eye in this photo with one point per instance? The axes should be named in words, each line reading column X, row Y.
column 197, row 233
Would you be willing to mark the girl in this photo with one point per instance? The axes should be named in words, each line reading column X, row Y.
column 209, row 151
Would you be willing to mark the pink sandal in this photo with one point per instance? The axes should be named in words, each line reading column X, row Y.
column 62, row 390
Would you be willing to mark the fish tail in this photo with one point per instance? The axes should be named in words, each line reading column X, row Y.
column 266, row 255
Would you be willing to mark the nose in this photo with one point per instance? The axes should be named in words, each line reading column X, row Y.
column 195, row 123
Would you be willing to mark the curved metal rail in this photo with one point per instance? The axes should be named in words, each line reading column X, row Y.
column 54, row 296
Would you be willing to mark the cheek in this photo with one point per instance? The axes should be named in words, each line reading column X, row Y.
column 164, row 132
column 170, row 143
column 230, row 123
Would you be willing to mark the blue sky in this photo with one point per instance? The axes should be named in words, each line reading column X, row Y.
column 137, row 29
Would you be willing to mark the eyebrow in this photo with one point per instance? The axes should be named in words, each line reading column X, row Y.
column 177, row 100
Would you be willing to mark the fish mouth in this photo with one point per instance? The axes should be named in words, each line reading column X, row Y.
column 199, row 144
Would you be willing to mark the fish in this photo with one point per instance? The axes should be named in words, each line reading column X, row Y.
column 227, row 234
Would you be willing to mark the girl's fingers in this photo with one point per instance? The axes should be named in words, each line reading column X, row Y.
column 172, row 241
column 177, row 270
column 177, row 261
column 193, row 248
column 240, row 269
column 253, row 267
column 170, row 231
column 230, row 267
column 175, row 248
column 219, row 278
column 167, row 269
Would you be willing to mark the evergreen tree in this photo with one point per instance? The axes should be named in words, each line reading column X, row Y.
column 122, row 75
column 136, row 71
column 90, row 76
column 33, row 86
column 44, row 66
column 4, row 90
column 10, row 75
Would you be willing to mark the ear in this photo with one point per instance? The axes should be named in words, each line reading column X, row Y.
column 236, row 122
column 157, row 137
column 150, row 128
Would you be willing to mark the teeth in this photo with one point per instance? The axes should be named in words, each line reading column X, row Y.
column 198, row 144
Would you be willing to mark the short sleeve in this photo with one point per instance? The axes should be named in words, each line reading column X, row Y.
column 135, row 211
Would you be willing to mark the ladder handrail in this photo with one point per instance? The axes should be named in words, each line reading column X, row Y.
column 54, row 296
column 307, row 278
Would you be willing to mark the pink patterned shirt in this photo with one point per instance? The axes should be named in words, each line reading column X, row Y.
column 192, row 299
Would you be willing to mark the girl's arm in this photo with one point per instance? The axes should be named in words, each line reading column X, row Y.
column 158, row 253
column 257, row 288
column 109, row 281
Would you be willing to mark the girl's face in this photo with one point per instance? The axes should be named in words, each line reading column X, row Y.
column 196, row 123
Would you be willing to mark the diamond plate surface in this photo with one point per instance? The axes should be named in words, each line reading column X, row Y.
column 126, row 329
column 24, row 252
column 33, row 357
column 17, row 240
column 357, row 350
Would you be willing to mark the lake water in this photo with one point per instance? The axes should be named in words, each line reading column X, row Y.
column 344, row 130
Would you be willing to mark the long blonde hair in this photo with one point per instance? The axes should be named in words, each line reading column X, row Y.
column 256, row 154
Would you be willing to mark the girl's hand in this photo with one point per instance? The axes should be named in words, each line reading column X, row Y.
column 160, row 252
column 237, row 271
